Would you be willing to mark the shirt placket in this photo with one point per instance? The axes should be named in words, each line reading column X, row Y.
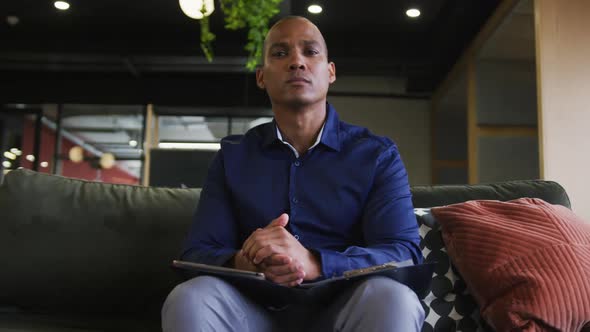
column 294, row 198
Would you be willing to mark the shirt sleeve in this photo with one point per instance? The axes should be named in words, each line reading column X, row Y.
column 212, row 238
column 389, row 226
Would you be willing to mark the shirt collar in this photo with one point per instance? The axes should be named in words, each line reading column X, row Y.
column 329, row 134
column 317, row 141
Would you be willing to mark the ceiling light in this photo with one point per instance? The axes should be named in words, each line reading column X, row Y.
column 9, row 155
column 76, row 154
column 193, row 8
column 44, row 164
column 107, row 160
column 192, row 146
column 16, row 151
column 6, row 164
column 133, row 143
column 413, row 12
column 12, row 20
column 30, row 157
column 314, row 9
column 61, row 5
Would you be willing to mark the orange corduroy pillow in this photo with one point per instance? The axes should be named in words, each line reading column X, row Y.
column 526, row 262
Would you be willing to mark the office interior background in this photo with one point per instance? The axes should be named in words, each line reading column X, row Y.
column 471, row 91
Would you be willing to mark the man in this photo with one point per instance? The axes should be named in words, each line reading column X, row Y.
column 302, row 198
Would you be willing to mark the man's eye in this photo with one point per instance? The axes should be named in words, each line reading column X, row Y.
column 279, row 53
column 312, row 52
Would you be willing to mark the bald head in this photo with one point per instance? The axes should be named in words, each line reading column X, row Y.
column 283, row 21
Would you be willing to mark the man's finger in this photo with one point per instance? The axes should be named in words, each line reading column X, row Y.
column 264, row 252
column 277, row 259
column 294, row 283
column 280, row 270
column 261, row 239
column 250, row 241
column 282, row 221
column 290, row 280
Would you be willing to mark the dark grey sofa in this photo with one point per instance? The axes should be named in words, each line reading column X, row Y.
column 86, row 256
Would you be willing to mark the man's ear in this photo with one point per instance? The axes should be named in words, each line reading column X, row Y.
column 332, row 72
column 260, row 78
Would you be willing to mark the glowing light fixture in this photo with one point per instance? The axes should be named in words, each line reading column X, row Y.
column 6, row 164
column 107, row 160
column 16, row 151
column 133, row 143
column 192, row 8
column 12, row 20
column 76, row 154
column 9, row 155
column 413, row 12
column 61, row 5
column 30, row 157
column 193, row 146
column 314, row 9
column 44, row 164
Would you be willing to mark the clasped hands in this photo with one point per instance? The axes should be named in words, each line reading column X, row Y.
column 280, row 256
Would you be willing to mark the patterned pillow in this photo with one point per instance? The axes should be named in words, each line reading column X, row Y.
column 526, row 261
column 449, row 306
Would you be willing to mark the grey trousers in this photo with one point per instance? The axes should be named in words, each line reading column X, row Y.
column 211, row 304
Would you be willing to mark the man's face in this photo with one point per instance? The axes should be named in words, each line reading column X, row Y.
column 296, row 70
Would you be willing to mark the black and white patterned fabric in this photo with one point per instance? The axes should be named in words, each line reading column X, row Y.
column 449, row 306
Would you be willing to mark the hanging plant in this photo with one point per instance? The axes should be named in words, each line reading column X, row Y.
column 207, row 38
column 254, row 15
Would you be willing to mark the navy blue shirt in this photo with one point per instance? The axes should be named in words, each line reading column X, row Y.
column 348, row 198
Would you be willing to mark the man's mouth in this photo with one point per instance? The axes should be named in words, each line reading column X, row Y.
column 298, row 80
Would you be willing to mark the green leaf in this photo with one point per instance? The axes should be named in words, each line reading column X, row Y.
column 255, row 15
column 207, row 38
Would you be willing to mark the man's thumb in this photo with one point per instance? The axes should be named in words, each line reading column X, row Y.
column 282, row 220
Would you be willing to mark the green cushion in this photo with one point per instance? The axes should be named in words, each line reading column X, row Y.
column 82, row 246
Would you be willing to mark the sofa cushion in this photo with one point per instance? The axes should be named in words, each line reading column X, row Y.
column 30, row 322
column 527, row 262
column 76, row 246
column 439, row 195
column 449, row 306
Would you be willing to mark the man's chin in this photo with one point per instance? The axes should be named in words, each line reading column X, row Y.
column 299, row 101
column 299, row 104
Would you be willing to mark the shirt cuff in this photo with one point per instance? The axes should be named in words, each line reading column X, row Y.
column 333, row 263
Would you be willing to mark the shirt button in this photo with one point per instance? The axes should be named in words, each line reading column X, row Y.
column 297, row 163
column 295, row 200
column 296, row 237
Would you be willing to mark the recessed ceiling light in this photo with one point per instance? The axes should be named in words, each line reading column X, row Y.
column 12, row 20
column 413, row 12
column 133, row 143
column 61, row 5
column 314, row 9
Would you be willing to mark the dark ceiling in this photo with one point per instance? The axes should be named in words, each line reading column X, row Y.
column 114, row 51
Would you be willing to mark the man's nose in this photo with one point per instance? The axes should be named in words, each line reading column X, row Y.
column 296, row 65
column 297, row 62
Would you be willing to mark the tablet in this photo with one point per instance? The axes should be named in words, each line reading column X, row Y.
column 217, row 270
